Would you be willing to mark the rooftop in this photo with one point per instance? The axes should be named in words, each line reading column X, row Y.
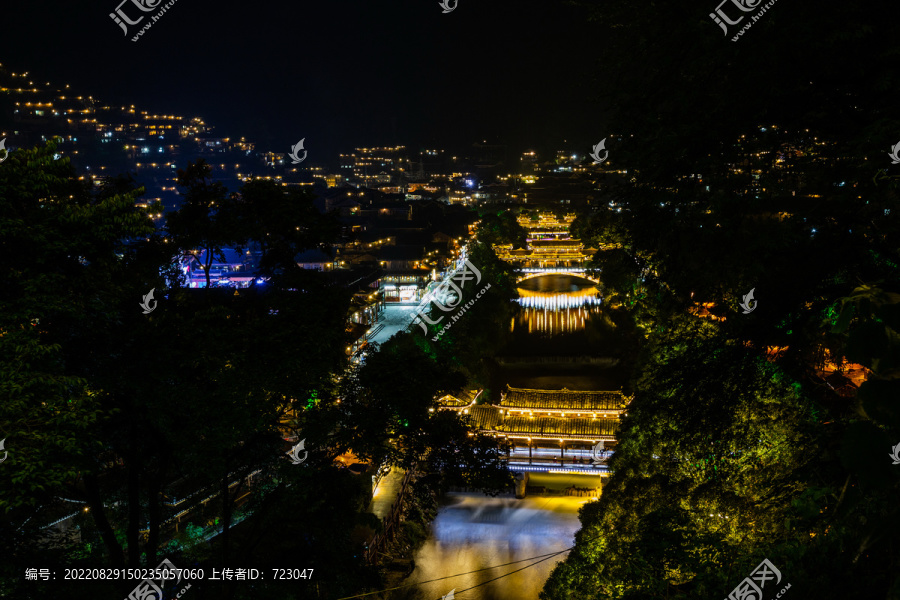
column 491, row 418
column 564, row 399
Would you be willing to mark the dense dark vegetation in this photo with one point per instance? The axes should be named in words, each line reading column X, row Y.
column 120, row 412
column 753, row 165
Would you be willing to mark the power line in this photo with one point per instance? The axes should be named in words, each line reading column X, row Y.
column 516, row 571
column 543, row 557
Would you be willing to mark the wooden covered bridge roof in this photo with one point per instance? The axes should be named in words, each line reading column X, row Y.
column 491, row 419
column 564, row 399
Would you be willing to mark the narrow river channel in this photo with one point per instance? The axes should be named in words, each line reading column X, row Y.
column 473, row 531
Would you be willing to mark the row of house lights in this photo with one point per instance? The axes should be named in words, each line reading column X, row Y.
column 171, row 117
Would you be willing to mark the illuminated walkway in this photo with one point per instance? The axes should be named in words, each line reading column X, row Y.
column 393, row 319
column 386, row 492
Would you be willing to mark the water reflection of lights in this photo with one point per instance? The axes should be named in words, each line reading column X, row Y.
column 558, row 301
column 475, row 532
column 556, row 312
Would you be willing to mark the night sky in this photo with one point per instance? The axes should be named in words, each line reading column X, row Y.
column 341, row 74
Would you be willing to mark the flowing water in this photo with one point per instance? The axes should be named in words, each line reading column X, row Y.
column 473, row 532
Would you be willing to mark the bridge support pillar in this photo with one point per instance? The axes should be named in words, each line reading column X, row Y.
column 521, row 484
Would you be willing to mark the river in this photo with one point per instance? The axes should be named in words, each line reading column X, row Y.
column 473, row 532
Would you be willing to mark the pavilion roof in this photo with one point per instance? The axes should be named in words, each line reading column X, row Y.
column 485, row 416
column 451, row 401
column 491, row 418
column 552, row 427
column 564, row 399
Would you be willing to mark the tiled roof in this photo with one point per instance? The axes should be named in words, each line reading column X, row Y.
column 490, row 418
column 452, row 401
column 586, row 428
column 522, row 398
column 484, row 417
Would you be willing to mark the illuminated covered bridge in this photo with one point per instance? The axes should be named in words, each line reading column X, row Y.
column 551, row 428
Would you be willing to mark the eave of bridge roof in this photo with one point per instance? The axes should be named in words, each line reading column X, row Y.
column 564, row 399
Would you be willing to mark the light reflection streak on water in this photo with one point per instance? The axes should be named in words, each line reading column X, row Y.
column 475, row 532
column 549, row 313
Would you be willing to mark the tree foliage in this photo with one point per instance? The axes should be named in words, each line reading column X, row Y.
column 501, row 227
column 748, row 171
